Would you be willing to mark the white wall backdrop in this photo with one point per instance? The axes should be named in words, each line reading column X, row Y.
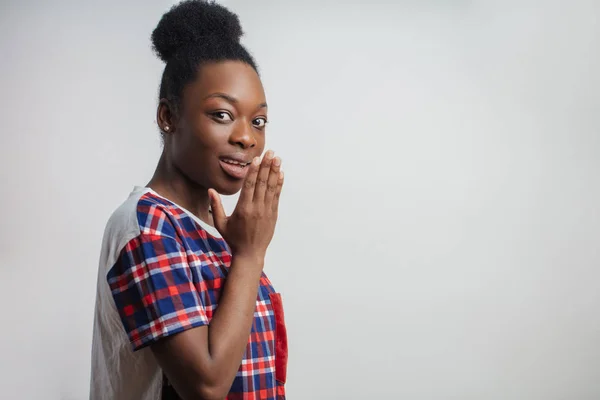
column 439, row 236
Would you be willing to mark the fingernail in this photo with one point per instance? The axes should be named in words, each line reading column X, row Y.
column 256, row 161
column 277, row 161
column 269, row 154
column 280, row 174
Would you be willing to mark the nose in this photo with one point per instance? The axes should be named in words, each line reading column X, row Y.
column 243, row 136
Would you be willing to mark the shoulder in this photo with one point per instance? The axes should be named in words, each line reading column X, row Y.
column 146, row 216
column 142, row 213
column 156, row 216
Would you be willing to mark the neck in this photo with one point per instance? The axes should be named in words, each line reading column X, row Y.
column 169, row 182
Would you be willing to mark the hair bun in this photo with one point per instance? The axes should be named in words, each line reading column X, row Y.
column 193, row 21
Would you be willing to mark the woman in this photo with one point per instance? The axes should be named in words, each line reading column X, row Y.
column 183, row 307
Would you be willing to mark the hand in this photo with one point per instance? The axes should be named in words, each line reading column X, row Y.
column 250, row 228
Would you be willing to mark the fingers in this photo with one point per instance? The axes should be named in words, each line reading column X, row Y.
column 277, row 194
column 247, row 193
column 263, row 177
column 272, row 181
column 218, row 212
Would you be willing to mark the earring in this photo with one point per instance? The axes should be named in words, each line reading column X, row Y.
column 167, row 128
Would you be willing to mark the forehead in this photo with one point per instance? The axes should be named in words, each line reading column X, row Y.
column 234, row 78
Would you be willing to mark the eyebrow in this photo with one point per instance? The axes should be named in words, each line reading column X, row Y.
column 231, row 99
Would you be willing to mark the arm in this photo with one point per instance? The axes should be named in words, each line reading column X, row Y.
column 202, row 362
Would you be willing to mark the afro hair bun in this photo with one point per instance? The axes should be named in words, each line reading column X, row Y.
column 194, row 21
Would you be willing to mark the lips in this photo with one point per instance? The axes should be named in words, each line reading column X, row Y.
column 234, row 167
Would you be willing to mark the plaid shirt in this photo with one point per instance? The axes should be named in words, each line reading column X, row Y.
column 169, row 278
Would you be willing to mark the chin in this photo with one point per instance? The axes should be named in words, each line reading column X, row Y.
column 229, row 188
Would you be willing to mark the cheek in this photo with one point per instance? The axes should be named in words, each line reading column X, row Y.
column 187, row 152
column 209, row 134
column 200, row 135
column 260, row 142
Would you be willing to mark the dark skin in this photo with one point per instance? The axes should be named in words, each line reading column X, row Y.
column 222, row 116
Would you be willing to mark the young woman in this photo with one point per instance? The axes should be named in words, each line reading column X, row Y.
column 183, row 309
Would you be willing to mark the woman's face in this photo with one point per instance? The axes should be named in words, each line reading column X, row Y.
column 220, row 126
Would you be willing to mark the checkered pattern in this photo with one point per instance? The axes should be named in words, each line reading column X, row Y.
column 169, row 278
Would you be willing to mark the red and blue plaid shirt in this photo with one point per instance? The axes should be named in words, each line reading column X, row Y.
column 168, row 278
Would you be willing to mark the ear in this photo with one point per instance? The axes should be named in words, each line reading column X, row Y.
column 165, row 117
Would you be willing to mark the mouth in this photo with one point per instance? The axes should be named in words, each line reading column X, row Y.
column 236, row 169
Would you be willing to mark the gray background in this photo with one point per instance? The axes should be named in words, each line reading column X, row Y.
column 440, row 222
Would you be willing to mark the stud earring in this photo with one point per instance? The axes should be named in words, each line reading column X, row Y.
column 167, row 128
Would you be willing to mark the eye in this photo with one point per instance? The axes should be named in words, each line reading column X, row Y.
column 259, row 122
column 222, row 116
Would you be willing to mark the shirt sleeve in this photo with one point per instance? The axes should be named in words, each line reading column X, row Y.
column 156, row 292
